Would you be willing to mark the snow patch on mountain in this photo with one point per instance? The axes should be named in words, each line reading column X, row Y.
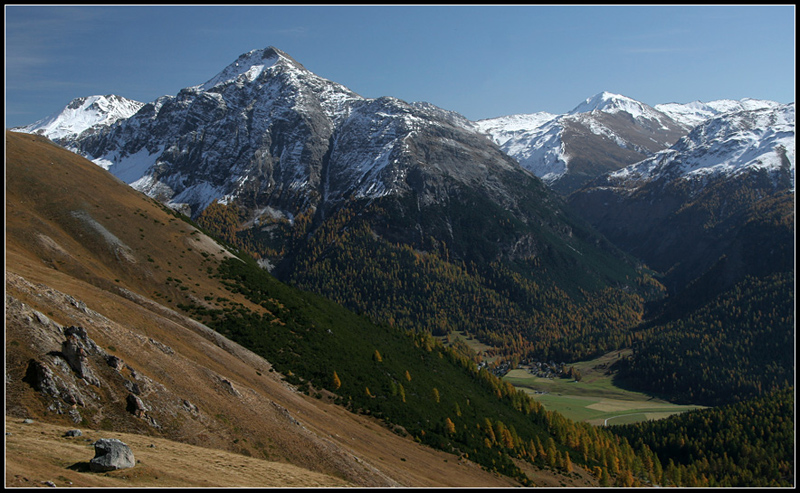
column 505, row 128
column 129, row 167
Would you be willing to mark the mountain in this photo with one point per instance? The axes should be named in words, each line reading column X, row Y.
column 604, row 133
column 717, row 192
column 307, row 176
column 696, row 112
column 85, row 114
column 104, row 289
column 125, row 320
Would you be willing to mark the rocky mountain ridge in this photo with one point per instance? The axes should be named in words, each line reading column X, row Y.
column 727, row 145
column 276, row 141
column 602, row 134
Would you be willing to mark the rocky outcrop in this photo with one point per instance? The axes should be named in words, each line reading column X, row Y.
column 136, row 406
column 74, row 374
column 42, row 378
column 111, row 454
column 74, row 352
column 115, row 362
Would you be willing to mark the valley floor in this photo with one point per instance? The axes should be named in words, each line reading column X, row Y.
column 595, row 398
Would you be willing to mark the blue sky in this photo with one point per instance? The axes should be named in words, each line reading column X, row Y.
column 481, row 61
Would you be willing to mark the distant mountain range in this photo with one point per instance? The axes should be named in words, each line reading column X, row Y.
column 83, row 116
column 603, row 134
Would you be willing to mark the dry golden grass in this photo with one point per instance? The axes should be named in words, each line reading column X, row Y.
column 39, row 452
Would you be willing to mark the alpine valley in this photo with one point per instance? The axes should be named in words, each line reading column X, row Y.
column 270, row 265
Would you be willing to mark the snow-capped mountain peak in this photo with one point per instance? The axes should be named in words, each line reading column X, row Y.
column 248, row 67
column 82, row 114
column 605, row 132
column 608, row 102
column 265, row 130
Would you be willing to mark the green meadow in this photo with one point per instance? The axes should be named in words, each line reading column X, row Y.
column 594, row 399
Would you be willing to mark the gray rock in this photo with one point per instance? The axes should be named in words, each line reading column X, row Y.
column 74, row 354
column 75, row 415
column 73, row 433
column 111, row 454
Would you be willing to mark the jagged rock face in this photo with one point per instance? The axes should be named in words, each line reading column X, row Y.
column 254, row 135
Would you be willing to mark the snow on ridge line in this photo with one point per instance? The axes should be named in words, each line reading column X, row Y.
column 696, row 112
column 603, row 101
column 761, row 145
column 82, row 114
column 515, row 123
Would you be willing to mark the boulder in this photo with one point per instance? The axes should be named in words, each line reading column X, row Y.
column 73, row 433
column 111, row 454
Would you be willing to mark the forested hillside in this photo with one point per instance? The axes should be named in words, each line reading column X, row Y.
column 734, row 348
column 748, row 444
column 560, row 301
column 436, row 395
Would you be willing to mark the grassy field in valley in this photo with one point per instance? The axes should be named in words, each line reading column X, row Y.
column 594, row 399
